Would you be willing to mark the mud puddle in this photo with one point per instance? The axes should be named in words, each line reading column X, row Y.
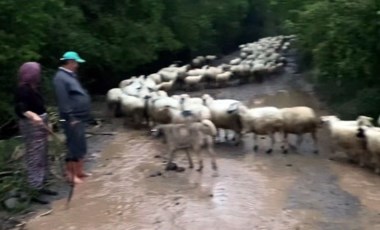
column 299, row 190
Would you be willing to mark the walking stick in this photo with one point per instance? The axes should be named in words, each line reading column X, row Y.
column 71, row 183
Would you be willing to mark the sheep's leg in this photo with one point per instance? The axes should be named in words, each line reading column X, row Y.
column 315, row 141
column 191, row 165
column 273, row 140
column 197, row 150
column 286, row 143
column 256, row 146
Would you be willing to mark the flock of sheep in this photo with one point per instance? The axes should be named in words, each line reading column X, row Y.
column 194, row 122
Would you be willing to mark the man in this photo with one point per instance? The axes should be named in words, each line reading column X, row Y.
column 74, row 108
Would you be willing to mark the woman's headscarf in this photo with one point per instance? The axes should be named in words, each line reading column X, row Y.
column 29, row 74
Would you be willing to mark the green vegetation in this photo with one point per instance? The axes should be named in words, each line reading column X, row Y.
column 340, row 41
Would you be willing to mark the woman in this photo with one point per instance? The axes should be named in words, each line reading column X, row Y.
column 31, row 111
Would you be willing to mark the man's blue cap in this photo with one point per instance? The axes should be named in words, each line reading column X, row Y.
column 71, row 55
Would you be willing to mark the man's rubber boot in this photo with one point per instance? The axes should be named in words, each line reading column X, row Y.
column 71, row 172
column 81, row 173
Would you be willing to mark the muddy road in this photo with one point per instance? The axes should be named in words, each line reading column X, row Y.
column 299, row 190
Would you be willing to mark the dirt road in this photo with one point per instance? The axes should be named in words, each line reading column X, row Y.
column 253, row 191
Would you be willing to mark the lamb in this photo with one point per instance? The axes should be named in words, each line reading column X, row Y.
column 371, row 141
column 300, row 120
column 261, row 121
column 190, row 136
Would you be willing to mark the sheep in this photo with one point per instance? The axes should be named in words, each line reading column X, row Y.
column 178, row 116
column 133, row 106
column 167, row 86
column 156, row 111
column 211, row 73
column 360, row 120
column 190, row 136
column 168, row 75
column 198, row 61
column 224, row 114
column 261, row 121
column 235, row 61
column 155, row 77
column 192, row 81
column 371, row 139
column 134, row 88
column 299, row 120
column 186, row 100
column 113, row 101
column 343, row 136
column 223, row 78
column 196, row 72
column 187, row 111
column 127, row 82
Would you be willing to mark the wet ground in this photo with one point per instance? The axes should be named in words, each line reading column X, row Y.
column 300, row 190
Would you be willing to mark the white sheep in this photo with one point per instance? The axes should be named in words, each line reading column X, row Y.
column 192, row 81
column 235, row 61
column 156, row 111
column 166, row 86
column 155, row 77
column 198, row 61
column 343, row 137
column 261, row 121
column 223, row 78
column 126, row 82
column 113, row 101
column 224, row 114
column 133, row 106
column 371, row 141
column 300, row 120
column 186, row 100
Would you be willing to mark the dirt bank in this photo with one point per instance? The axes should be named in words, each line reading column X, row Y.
column 253, row 191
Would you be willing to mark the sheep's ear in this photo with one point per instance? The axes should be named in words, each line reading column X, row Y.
column 234, row 107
